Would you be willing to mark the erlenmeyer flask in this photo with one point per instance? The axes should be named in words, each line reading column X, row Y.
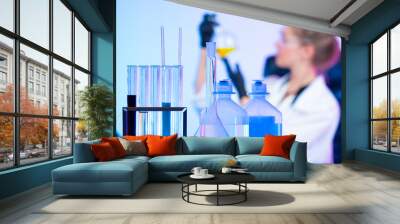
column 210, row 124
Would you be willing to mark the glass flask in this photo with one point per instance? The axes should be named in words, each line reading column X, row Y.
column 233, row 117
column 225, row 43
column 264, row 118
column 210, row 124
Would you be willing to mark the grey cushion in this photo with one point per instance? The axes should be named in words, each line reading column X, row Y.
column 133, row 147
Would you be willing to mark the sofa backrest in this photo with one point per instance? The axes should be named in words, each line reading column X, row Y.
column 249, row 145
column 206, row 145
column 83, row 152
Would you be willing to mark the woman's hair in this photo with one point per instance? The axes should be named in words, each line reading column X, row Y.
column 327, row 50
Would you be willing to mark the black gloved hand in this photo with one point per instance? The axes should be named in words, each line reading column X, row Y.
column 236, row 78
column 271, row 68
column 206, row 29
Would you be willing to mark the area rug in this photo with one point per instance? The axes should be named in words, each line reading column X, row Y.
column 166, row 198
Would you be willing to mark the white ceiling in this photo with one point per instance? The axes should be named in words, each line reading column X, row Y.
column 328, row 16
column 321, row 9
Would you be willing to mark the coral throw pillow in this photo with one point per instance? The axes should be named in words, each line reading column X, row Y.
column 116, row 145
column 161, row 145
column 277, row 145
column 103, row 152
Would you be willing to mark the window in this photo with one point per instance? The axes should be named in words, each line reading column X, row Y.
column 35, row 21
column 37, row 90
column 38, row 74
column 47, row 76
column 62, row 74
column 30, row 87
column 81, row 45
column 7, row 71
column 385, row 94
column 44, row 91
column 7, row 14
column 62, row 29
column 3, row 61
column 30, row 72
column 3, row 78
column 62, row 137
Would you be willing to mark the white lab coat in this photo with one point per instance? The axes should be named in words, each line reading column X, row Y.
column 313, row 118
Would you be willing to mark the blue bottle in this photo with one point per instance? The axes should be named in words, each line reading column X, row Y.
column 264, row 118
column 233, row 117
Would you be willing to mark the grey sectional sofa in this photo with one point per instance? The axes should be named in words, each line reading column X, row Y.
column 125, row 176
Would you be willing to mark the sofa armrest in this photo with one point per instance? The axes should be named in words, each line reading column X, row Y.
column 83, row 152
column 298, row 155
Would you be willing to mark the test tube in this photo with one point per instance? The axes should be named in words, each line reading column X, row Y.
column 155, row 99
column 210, row 73
column 166, row 100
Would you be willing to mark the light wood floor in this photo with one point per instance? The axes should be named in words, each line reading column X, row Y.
column 377, row 188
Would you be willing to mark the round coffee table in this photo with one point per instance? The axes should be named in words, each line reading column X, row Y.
column 238, row 179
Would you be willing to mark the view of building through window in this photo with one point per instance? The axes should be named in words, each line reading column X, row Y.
column 32, row 111
column 385, row 94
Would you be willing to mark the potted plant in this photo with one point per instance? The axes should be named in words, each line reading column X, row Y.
column 96, row 103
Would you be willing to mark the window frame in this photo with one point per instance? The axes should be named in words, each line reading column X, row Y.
column 16, row 114
column 388, row 74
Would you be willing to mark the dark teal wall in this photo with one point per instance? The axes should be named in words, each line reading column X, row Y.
column 356, row 92
column 102, row 58
column 24, row 178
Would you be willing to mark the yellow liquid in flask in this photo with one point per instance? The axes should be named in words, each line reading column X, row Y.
column 224, row 52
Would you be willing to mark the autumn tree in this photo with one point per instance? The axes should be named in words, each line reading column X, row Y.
column 380, row 127
column 33, row 131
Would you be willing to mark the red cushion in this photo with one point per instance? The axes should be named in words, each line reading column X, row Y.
column 161, row 145
column 116, row 145
column 277, row 145
column 103, row 152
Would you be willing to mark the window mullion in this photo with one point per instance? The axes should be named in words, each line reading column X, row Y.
column 50, row 81
column 389, row 106
column 73, row 82
column 16, row 84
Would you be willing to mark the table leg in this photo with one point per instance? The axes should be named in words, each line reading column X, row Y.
column 188, row 190
column 245, row 193
column 195, row 188
column 217, row 194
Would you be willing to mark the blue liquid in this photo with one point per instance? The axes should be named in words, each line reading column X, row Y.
column 166, row 120
column 264, row 125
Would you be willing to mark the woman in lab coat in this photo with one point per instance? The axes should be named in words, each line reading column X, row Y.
column 308, row 107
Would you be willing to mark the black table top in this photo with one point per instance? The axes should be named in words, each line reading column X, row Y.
column 220, row 178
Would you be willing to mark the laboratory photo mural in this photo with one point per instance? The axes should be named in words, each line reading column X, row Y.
column 209, row 74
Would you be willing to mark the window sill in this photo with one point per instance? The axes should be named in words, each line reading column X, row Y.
column 382, row 159
column 25, row 167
